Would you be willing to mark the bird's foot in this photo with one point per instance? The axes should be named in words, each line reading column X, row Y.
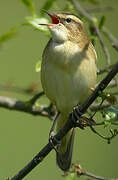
column 77, row 117
column 52, row 139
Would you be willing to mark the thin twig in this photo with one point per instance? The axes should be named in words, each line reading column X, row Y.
column 113, row 83
column 93, row 176
column 18, row 105
column 96, row 107
column 13, row 104
column 106, row 52
column 108, row 138
column 21, row 106
column 104, row 70
column 99, row 9
column 35, row 97
column 81, row 172
column 82, row 11
column 115, row 46
column 110, row 36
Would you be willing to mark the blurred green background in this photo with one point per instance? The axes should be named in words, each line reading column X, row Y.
column 21, row 135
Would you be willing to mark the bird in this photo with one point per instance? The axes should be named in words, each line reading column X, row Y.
column 68, row 73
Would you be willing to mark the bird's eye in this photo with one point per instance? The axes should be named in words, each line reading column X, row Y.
column 68, row 20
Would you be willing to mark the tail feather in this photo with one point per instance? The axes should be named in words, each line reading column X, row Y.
column 65, row 149
column 64, row 159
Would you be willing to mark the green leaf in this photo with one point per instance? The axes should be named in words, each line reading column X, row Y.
column 30, row 5
column 10, row 34
column 38, row 66
column 71, row 176
column 48, row 4
column 69, row 7
column 102, row 22
column 93, row 38
column 35, row 21
column 111, row 115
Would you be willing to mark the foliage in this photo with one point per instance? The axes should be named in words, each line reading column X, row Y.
column 38, row 66
column 30, row 5
column 48, row 4
column 8, row 35
column 35, row 21
column 71, row 176
column 111, row 115
column 102, row 22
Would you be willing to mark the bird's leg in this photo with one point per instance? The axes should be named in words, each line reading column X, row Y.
column 51, row 134
column 53, row 126
column 76, row 116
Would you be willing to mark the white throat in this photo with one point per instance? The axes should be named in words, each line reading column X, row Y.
column 59, row 33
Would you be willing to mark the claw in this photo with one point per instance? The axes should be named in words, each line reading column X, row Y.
column 77, row 118
column 51, row 138
column 76, row 114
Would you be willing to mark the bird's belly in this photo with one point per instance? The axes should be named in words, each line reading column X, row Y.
column 66, row 89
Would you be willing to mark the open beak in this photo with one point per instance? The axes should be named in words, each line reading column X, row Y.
column 55, row 19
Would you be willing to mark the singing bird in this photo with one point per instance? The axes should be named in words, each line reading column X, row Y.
column 68, row 73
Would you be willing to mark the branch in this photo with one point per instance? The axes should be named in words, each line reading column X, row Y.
column 35, row 98
column 68, row 125
column 106, row 52
column 81, row 172
column 113, row 83
column 99, row 9
column 97, row 106
column 112, row 39
column 13, row 104
column 45, row 111
column 83, row 12
column 104, row 70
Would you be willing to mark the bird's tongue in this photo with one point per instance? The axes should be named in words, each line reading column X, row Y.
column 55, row 20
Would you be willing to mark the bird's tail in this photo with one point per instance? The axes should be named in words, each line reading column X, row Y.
column 65, row 149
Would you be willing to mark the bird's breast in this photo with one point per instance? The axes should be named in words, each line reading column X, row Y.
column 67, row 75
column 64, row 55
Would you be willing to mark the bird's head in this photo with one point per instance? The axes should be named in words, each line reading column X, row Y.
column 66, row 26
